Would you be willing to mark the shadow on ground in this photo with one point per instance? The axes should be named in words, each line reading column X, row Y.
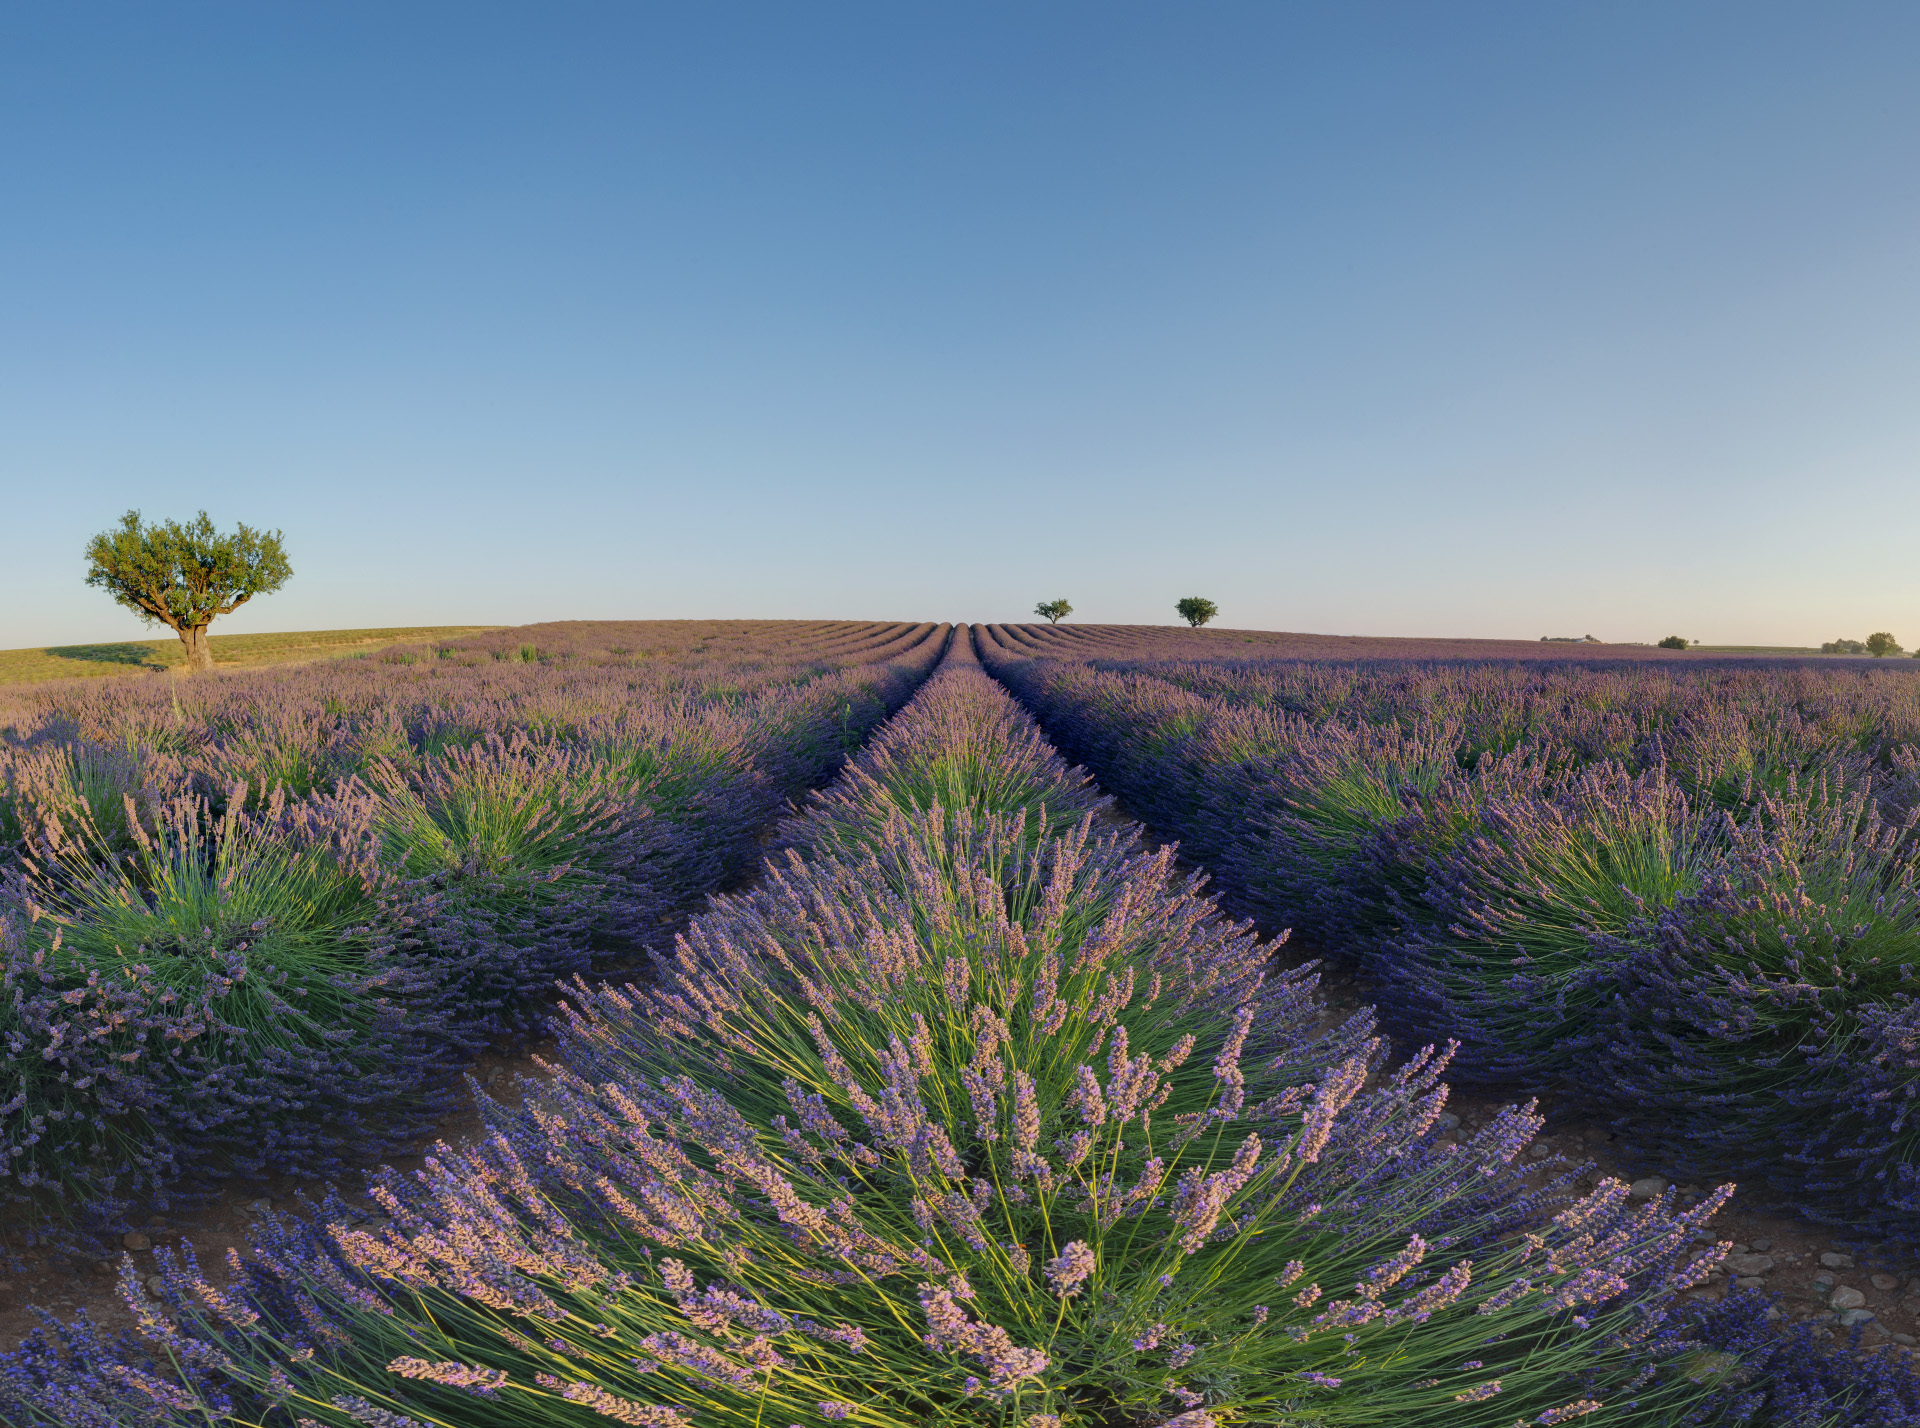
column 139, row 655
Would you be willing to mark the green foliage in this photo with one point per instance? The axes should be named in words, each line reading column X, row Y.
column 1880, row 644
column 1553, row 887
column 1053, row 611
column 182, row 575
column 505, row 820
column 1196, row 611
column 223, row 968
column 1843, row 646
column 1674, row 642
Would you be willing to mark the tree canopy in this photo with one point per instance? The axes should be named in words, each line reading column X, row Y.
column 184, row 574
column 1674, row 642
column 1880, row 644
column 1053, row 611
column 1196, row 611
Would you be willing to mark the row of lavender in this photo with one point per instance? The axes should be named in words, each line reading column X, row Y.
column 1684, row 898
column 973, row 1112
column 251, row 925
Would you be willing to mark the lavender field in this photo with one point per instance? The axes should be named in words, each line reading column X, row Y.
column 958, row 1102
column 1682, row 894
column 251, row 923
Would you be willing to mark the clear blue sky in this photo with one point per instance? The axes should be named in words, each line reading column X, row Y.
column 1445, row 319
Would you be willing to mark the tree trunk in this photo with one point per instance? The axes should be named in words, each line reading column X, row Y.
column 199, row 651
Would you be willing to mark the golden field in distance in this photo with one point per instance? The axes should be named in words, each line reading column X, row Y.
column 229, row 651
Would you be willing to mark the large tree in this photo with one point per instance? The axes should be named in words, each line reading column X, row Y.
column 1053, row 611
column 1196, row 610
column 182, row 575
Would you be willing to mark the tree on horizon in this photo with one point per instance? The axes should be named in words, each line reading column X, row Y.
column 1196, row 611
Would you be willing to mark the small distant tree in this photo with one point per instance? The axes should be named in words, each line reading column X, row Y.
column 1843, row 647
column 1196, row 611
column 1674, row 642
column 1053, row 611
column 1880, row 644
column 183, row 575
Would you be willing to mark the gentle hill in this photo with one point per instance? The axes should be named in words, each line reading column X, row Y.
column 230, row 651
column 1145, row 642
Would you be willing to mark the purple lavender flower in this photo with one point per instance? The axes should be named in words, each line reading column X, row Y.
column 1071, row 1269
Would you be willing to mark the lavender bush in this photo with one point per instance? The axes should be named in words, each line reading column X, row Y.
column 1514, row 941
column 1764, row 1372
column 208, row 991
column 1769, row 1022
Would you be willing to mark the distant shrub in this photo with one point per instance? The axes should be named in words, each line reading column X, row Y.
column 1196, row 611
column 1674, row 642
column 1849, row 647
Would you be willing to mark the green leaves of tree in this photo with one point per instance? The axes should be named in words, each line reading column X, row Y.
column 184, row 574
column 1196, row 611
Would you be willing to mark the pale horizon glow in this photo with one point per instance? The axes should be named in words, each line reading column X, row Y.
column 1484, row 321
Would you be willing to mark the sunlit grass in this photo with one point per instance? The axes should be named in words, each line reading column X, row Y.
column 29, row 666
